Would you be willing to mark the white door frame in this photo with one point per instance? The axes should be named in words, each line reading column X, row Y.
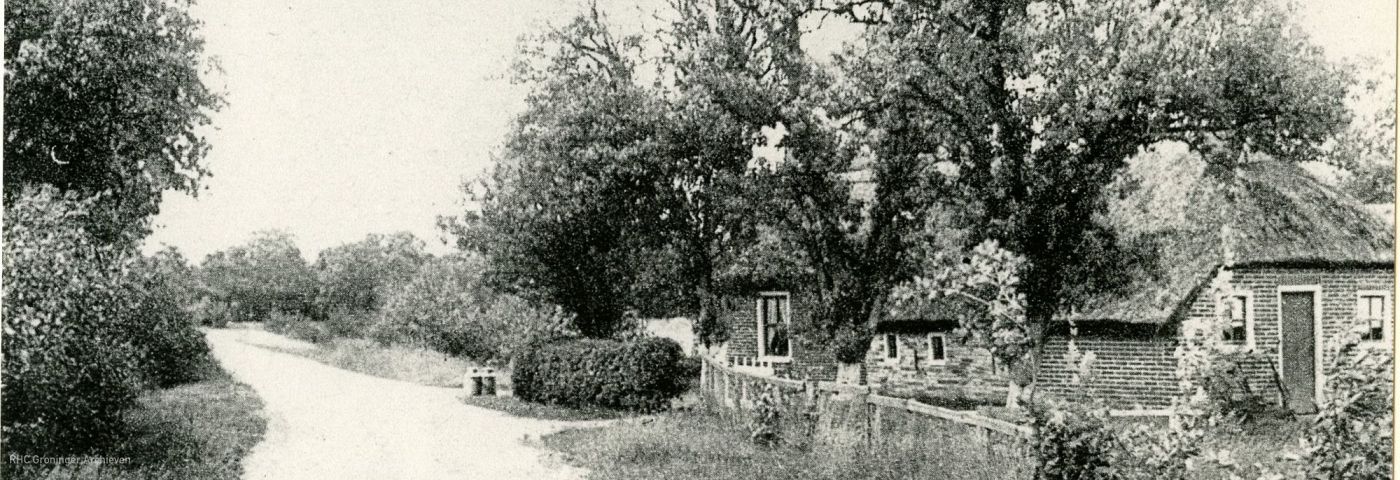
column 1319, row 377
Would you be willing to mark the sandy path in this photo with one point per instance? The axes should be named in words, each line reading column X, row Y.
column 328, row 423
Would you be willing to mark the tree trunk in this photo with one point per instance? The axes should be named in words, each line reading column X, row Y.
column 1024, row 373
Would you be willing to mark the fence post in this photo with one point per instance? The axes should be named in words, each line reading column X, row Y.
column 875, row 424
column 704, row 370
column 863, row 399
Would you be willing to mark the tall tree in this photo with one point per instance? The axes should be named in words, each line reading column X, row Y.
column 265, row 275
column 845, row 214
column 1365, row 150
column 360, row 276
column 105, row 96
column 727, row 67
column 1029, row 109
column 570, row 199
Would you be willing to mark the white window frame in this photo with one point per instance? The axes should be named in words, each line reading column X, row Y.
column 1249, row 321
column 1388, row 316
column 943, row 339
column 762, row 336
column 887, row 338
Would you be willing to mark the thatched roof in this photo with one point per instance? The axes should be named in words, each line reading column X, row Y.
column 1384, row 211
column 1279, row 215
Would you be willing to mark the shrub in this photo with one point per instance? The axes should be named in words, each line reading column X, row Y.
column 639, row 375
column 86, row 327
column 174, row 349
column 211, row 313
column 1351, row 436
column 765, row 426
column 349, row 323
column 298, row 326
column 445, row 307
column 1071, row 442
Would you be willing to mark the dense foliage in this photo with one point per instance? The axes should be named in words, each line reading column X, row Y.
column 643, row 374
column 357, row 277
column 568, row 204
column 1353, row 433
column 105, row 96
column 446, row 306
column 265, row 275
column 87, row 326
column 174, row 351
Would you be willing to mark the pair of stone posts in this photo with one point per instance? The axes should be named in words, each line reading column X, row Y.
column 480, row 381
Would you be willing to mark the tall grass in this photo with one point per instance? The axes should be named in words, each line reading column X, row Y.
column 701, row 445
column 398, row 362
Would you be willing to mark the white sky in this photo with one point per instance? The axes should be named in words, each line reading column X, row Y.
column 354, row 117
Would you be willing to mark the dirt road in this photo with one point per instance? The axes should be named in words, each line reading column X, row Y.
column 328, row 423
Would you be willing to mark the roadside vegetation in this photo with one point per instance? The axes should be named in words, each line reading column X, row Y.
column 197, row 431
column 516, row 407
column 398, row 362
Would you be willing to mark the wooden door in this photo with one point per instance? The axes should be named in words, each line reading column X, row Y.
column 1299, row 351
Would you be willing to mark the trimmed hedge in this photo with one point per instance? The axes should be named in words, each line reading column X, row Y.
column 640, row 375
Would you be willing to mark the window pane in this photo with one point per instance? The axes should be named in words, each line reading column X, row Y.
column 778, row 342
column 1238, row 308
column 935, row 344
column 772, row 312
column 891, row 346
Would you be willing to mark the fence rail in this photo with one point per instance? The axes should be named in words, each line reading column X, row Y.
column 712, row 369
column 854, row 417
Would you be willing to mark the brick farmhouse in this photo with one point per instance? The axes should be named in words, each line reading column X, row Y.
column 1304, row 264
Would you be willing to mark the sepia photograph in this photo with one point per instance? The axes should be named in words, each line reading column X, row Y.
column 698, row 239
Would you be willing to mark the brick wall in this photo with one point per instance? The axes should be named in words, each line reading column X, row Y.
column 739, row 314
column 1132, row 368
column 1128, row 371
column 1140, row 368
column 1338, row 295
column 968, row 371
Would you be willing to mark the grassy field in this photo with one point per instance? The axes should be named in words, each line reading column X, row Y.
column 199, row 431
column 698, row 445
column 410, row 364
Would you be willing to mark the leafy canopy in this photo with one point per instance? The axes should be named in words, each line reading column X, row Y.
column 105, row 96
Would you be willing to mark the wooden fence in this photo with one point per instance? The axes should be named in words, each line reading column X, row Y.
column 852, row 420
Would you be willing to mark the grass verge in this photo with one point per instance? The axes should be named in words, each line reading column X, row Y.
column 198, row 431
column 409, row 364
column 519, row 408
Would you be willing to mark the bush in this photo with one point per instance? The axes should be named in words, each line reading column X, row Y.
column 298, row 326
column 349, row 323
column 1351, row 436
column 1071, row 442
column 175, row 350
column 641, row 375
column 445, row 307
column 87, row 326
column 211, row 313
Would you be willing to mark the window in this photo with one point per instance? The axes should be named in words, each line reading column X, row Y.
column 936, row 353
column 1371, row 309
column 891, row 346
column 1236, row 331
column 773, row 325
